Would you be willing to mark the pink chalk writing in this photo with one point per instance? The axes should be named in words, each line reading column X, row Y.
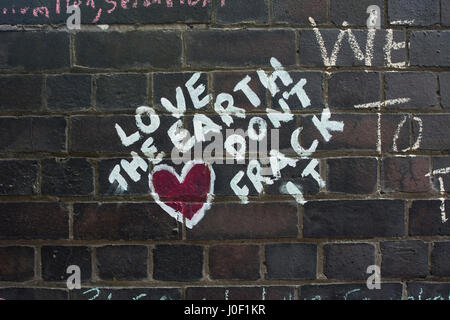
column 100, row 6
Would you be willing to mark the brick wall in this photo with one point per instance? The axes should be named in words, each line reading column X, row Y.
column 382, row 202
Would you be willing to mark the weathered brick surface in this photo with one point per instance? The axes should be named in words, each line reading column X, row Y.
column 18, row 93
column 67, row 177
column 17, row 263
column 33, row 134
column 436, row 136
column 348, row 89
column 236, row 11
column 165, row 51
column 439, row 259
column 429, row 48
column 49, row 51
column 348, row 260
column 420, row 87
column 300, row 265
column 85, row 180
column 123, row 91
column 178, row 262
column 68, row 92
column 352, row 175
column 354, row 12
column 30, row 220
column 404, row 259
column 122, row 262
column 234, row 262
column 131, row 221
column 18, row 177
column 425, row 219
column 418, row 12
column 256, row 220
column 55, row 260
column 405, row 174
column 298, row 11
column 353, row 219
column 239, row 48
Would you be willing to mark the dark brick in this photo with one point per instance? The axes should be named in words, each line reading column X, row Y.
column 421, row 12
column 405, row 174
column 121, row 91
column 224, row 173
column 440, row 163
column 69, row 92
column 360, row 133
column 430, row 48
column 354, row 219
column 240, row 293
column 235, row 11
column 239, row 47
column 33, row 220
column 19, row 93
column 32, row 134
column 165, row 85
column 310, row 54
column 122, row 262
column 126, row 294
column 352, row 175
column 391, row 124
column 420, row 87
column 97, row 134
column 18, row 177
column 17, row 263
column 48, row 134
column 123, row 221
column 225, row 82
column 163, row 49
column 156, row 13
column 444, row 81
column 39, row 50
column 56, row 260
column 445, row 12
column 428, row 291
column 436, row 135
column 15, row 134
column 354, row 12
column 234, row 262
column 299, row 11
column 404, row 259
column 350, row 291
column 348, row 261
column 440, row 256
column 106, row 166
column 313, row 89
column 425, row 219
column 291, row 261
column 307, row 185
column 348, row 89
column 70, row 177
column 254, row 220
column 33, row 294
column 177, row 262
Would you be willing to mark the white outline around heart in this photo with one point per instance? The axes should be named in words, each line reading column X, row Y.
column 171, row 211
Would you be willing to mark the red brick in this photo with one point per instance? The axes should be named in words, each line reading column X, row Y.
column 253, row 220
column 234, row 262
column 405, row 174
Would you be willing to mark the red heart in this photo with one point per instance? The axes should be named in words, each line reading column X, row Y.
column 186, row 195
